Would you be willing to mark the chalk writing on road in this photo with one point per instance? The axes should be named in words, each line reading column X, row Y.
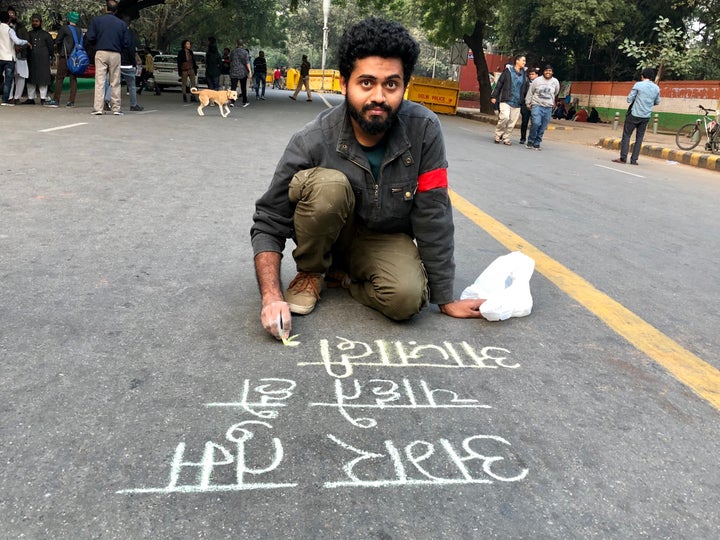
column 215, row 455
column 251, row 456
column 419, row 457
column 389, row 394
column 397, row 354
column 269, row 398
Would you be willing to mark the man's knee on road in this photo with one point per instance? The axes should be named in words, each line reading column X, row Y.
column 398, row 300
column 323, row 192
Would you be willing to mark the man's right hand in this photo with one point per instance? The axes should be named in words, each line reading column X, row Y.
column 276, row 319
column 275, row 311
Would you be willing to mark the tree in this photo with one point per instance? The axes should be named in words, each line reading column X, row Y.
column 579, row 37
column 705, row 27
column 446, row 21
column 672, row 51
column 253, row 21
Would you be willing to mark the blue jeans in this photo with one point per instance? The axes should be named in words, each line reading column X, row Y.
column 8, row 69
column 259, row 79
column 540, row 117
column 128, row 75
column 213, row 82
column 639, row 125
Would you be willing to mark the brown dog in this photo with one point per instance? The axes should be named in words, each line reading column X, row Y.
column 218, row 97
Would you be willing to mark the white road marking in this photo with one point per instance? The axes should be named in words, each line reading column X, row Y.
column 62, row 127
column 620, row 171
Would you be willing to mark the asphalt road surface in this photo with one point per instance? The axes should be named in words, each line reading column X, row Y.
column 142, row 399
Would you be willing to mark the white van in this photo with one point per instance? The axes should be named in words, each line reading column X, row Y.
column 166, row 70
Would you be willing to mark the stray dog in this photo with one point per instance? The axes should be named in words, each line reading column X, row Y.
column 218, row 97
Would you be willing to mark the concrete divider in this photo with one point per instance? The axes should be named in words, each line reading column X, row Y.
column 657, row 145
column 696, row 159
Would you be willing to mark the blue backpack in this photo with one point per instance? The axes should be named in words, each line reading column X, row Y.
column 79, row 60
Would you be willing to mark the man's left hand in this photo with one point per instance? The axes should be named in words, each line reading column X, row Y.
column 463, row 309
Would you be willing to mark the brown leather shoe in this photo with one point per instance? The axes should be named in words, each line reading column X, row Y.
column 303, row 292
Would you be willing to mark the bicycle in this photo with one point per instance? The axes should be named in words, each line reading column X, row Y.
column 689, row 136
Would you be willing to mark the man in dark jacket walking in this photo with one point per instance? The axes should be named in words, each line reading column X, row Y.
column 509, row 91
column 259, row 75
column 363, row 192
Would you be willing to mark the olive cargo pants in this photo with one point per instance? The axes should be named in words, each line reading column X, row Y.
column 386, row 270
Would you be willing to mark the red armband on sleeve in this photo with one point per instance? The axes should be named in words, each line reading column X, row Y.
column 432, row 180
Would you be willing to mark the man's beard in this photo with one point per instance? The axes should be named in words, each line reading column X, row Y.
column 375, row 125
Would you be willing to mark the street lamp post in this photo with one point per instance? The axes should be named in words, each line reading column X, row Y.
column 326, row 13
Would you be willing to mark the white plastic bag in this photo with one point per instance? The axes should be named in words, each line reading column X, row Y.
column 505, row 285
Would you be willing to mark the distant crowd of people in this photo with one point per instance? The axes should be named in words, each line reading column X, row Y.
column 571, row 113
column 27, row 57
column 521, row 93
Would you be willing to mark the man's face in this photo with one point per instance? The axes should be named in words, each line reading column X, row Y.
column 520, row 63
column 548, row 73
column 374, row 93
column 532, row 75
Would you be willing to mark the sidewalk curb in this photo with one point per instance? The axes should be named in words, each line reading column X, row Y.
column 492, row 119
column 696, row 159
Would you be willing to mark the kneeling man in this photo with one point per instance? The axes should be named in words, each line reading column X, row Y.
column 363, row 192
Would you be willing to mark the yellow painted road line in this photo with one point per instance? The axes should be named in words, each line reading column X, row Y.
column 688, row 368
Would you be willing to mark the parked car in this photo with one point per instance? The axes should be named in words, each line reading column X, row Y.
column 166, row 70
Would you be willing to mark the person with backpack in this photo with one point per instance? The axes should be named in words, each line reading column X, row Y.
column 65, row 43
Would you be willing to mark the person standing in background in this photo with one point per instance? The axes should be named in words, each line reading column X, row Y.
column 65, row 43
column 259, row 75
column 509, row 90
column 8, row 40
column 532, row 74
column 213, row 65
column 187, row 68
column 540, row 100
column 225, row 69
column 22, row 71
column 40, row 59
column 277, row 74
column 149, row 70
column 109, row 35
column 240, row 71
column 642, row 98
column 128, row 72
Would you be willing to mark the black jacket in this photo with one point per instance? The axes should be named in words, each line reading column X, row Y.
column 503, row 88
column 181, row 59
column 65, row 42
column 394, row 203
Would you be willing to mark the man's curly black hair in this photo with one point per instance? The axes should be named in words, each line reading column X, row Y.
column 377, row 37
